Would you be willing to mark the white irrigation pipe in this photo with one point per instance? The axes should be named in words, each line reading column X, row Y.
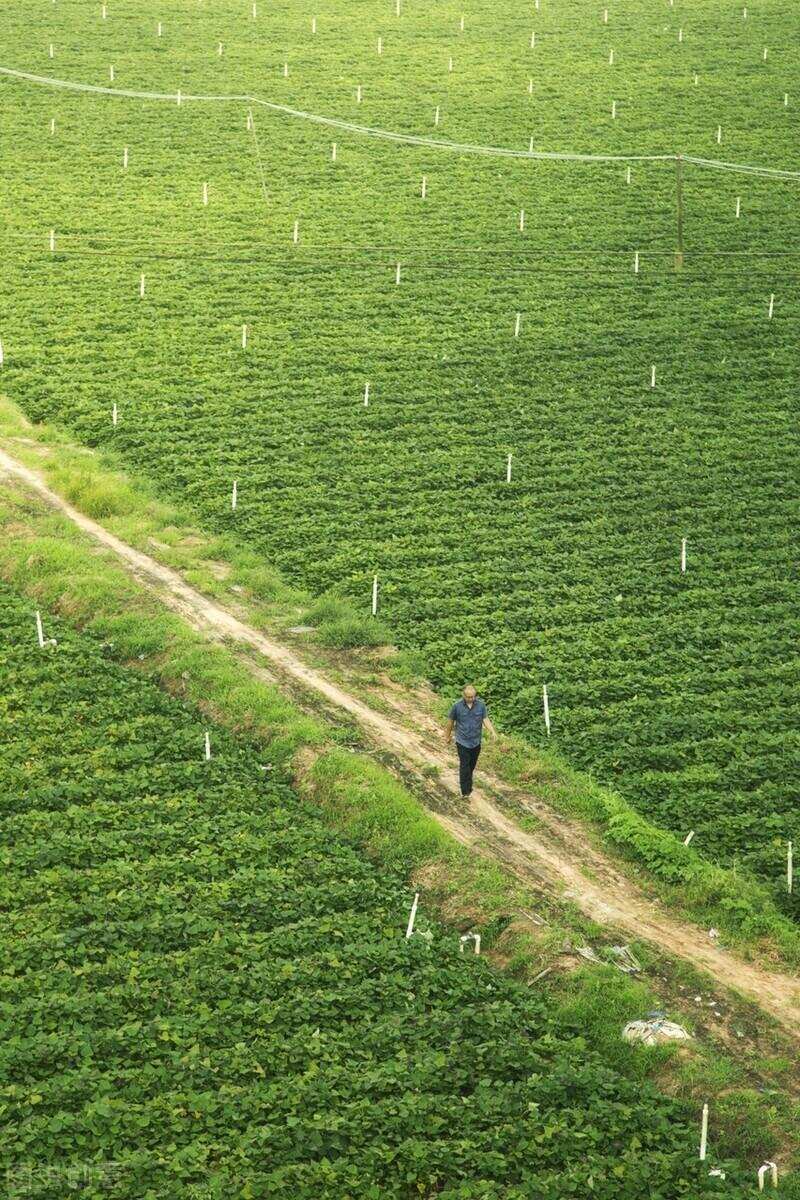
column 412, row 916
column 42, row 640
column 704, row 1133
column 391, row 135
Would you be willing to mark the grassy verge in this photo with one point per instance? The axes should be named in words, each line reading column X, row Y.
column 45, row 557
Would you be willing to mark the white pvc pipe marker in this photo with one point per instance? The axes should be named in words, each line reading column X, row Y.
column 683, row 556
column 772, row 1169
column 235, row 494
column 43, row 641
column 470, row 937
column 704, row 1134
column 375, row 595
column 412, row 916
column 1, row 352
column 508, row 470
column 208, row 747
column 789, row 868
column 546, row 707
column 366, row 395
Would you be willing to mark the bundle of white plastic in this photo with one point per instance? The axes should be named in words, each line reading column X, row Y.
column 653, row 1031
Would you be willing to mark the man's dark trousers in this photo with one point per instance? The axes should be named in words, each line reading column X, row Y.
column 467, row 757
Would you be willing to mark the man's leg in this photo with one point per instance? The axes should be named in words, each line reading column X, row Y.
column 474, row 753
column 464, row 768
column 467, row 757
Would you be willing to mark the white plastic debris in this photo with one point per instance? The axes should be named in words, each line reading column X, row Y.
column 471, row 937
column 626, row 960
column 654, row 1031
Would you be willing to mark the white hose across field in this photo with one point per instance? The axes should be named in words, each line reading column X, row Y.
column 391, row 135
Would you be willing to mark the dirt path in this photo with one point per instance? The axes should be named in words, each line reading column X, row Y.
column 559, row 853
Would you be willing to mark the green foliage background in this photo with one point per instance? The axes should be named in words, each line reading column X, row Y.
column 681, row 692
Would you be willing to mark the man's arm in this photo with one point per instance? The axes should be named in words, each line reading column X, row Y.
column 448, row 729
column 490, row 726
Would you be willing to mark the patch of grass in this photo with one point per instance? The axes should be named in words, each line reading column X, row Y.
column 340, row 628
column 744, row 1127
column 599, row 1002
column 367, row 804
column 98, row 496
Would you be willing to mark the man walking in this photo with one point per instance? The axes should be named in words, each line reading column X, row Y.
column 468, row 716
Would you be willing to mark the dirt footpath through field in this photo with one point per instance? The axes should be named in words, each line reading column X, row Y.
column 559, row 853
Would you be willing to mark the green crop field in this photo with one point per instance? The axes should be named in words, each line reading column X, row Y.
column 205, row 994
column 533, row 336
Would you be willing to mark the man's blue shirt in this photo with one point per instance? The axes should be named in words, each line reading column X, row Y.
column 468, row 721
